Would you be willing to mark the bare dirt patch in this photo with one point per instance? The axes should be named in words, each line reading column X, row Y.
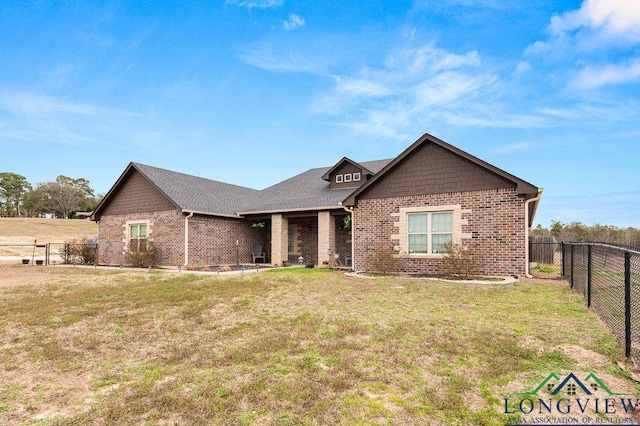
column 585, row 357
column 14, row 274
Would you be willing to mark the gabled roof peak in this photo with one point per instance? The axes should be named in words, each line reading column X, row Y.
column 523, row 187
column 186, row 192
column 344, row 160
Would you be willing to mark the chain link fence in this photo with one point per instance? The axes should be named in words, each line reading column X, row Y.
column 608, row 276
column 73, row 253
column 84, row 253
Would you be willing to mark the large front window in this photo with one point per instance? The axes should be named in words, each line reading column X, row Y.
column 138, row 236
column 429, row 232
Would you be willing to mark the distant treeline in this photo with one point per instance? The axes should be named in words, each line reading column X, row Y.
column 577, row 231
column 62, row 198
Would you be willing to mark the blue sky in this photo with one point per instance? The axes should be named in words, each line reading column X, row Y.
column 254, row 91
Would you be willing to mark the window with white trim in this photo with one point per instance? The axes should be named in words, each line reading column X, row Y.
column 356, row 176
column 138, row 236
column 429, row 232
column 347, row 177
column 338, row 178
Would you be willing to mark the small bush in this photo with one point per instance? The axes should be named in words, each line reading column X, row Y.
column 143, row 257
column 385, row 260
column 460, row 261
column 81, row 251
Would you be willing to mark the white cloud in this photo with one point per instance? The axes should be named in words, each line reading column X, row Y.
column 596, row 24
column 287, row 54
column 416, row 85
column 425, row 58
column 516, row 147
column 421, row 86
column 586, row 114
column 35, row 104
column 270, row 58
column 259, row 4
column 448, row 87
column 453, row 61
column 382, row 123
column 294, row 22
column 522, row 67
column 612, row 17
column 490, row 117
column 579, row 37
column 593, row 77
column 360, row 87
column 51, row 119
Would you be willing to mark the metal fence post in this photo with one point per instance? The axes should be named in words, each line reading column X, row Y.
column 627, row 304
column 572, row 263
column 564, row 257
column 589, row 275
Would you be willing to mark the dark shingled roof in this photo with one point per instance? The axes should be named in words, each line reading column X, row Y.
column 196, row 194
column 307, row 190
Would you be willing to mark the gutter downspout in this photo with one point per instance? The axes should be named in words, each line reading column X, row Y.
column 353, row 235
column 186, row 238
column 526, row 232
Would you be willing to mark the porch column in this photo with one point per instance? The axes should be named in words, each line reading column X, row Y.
column 326, row 237
column 279, row 239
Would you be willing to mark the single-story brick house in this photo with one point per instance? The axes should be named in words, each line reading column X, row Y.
column 411, row 205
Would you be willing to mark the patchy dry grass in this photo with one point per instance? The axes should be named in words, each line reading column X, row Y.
column 18, row 232
column 46, row 230
column 307, row 346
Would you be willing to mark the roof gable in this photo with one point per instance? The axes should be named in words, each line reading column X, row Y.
column 345, row 161
column 436, row 166
column 134, row 193
column 186, row 192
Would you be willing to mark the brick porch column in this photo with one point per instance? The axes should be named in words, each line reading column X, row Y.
column 279, row 239
column 326, row 237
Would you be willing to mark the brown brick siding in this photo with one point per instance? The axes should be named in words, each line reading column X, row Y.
column 212, row 239
column 166, row 230
column 307, row 241
column 496, row 222
column 343, row 239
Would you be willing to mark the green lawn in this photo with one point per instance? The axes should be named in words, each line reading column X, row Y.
column 302, row 346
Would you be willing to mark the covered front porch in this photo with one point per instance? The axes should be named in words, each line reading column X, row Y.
column 320, row 238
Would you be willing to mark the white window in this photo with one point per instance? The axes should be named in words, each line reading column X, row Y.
column 338, row 178
column 424, row 230
column 429, row 232
column 347, row 177
column 138, row 236
column 356, row 176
